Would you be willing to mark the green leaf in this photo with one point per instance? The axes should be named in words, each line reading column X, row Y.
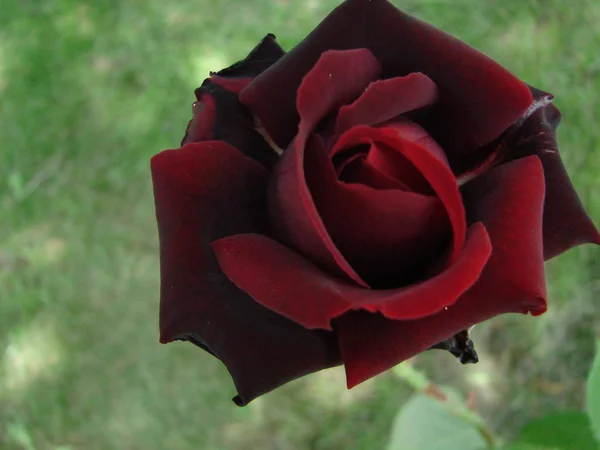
column 424, row 423
column 593, row 394
column 559, row 431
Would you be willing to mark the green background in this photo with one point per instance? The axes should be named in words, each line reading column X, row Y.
column 89, row 91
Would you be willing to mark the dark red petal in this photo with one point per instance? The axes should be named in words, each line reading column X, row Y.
column 260, row 58
column 478, row 99
column 358, row 171
column 441, row 291
column 295, row 219
column 411, row 132
column 218, row 115
column 231, row 84
column 385, row 99
column 205, row 192
column 566, row 223
column 388, row 236
column 337, row 78
column 438, row 175
column 290, row 285
column 509, row 201
column 395, row 165
column 200, row 128
column 281, row 280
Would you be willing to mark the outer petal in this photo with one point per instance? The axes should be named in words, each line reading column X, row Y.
column 478, row 98
column 509, row 201
column 218, row 115
column 292, row 286
column 236, row 77
column 205, row 192
column 201, row 127
column 566, row 223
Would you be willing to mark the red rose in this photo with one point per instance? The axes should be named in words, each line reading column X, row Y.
column 366, row 196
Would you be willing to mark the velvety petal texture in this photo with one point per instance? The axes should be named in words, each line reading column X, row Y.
column 512, row 280
column 218, row 115
column 384, row 100
column 337, row 78
column 478, row 99
column 365, row 197
column 260, row 58
column 204, row 192
column 434, row 171
column 387, row 235
column 566, row 223
column 293, row 287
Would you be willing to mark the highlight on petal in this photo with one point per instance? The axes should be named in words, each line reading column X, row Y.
column 205, row 192
column 384, row 100
column 512, row 280
column 293, row 287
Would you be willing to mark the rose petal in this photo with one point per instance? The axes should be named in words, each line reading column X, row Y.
column 395, row 165
column 201, row 127
column 231, row 84
column 218, row 115
column 281, row 280
column 290, row 285
column 237, row 76
column 358, row 171
column 390, row 172
column 205, row 192
column 388, row 236
column 517, row 190
column 478, row 99
column 336, row 78
column 509, row 201
column 411, row 132
column 438, row 175
column 385, row 99
column 566, row 223
column 295, row 219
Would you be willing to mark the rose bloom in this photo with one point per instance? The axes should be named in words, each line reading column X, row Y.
column 367, row 196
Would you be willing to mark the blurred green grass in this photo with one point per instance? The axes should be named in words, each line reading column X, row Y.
column 89, row 91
